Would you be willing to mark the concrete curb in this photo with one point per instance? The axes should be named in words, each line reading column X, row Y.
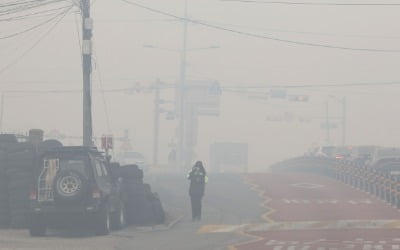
column 128, row 232
column 156, row 228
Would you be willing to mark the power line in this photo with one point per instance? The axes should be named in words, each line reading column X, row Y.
column 303, row 32
column 30, row 15
column 313, row 3
column 248, row 34
column 223, row 87
column 305, row 86
column 61, row 15
column 35, row 26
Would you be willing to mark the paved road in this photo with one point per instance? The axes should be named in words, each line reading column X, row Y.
column 228, row 200
column 313, row 212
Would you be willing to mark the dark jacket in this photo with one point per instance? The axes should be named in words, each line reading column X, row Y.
column 197, row 179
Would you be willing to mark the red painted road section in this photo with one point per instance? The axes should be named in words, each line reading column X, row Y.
column 306, row 198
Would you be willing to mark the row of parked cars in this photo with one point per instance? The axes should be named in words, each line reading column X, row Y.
column 377, row 157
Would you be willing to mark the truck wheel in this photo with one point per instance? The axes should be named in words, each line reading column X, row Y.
column 118, row 218
column 37, row 227
column 69, row 186
column 102, row 222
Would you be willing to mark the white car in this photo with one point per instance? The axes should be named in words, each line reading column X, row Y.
column 130, row 157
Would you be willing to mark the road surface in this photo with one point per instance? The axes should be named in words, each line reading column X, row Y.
column 272, row 211
column 313, row 212
column 228, row 200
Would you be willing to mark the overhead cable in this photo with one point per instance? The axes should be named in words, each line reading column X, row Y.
column 313, row 3
column 61, row 16
column 249, row 34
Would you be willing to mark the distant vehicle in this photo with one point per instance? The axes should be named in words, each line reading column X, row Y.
column 383, row 154
column 324, row 151
column 133, row 158
column 341, row 153
column 360, row 154
column 75, row 185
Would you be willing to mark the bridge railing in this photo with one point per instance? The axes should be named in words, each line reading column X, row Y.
column 376, row 180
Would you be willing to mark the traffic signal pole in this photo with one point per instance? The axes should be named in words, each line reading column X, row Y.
column 344, row 117
column 156, row 123
column 87, row 26
column 328, row 133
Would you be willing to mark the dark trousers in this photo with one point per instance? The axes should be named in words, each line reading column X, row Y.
column 196, row 206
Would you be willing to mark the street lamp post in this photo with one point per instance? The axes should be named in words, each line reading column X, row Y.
column 343, row 102
column 181, row 126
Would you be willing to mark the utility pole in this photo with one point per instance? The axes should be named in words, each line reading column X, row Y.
column 87, row 27
column 344, row 115
column 2, row 112
column 156, row 122
column 181, row 127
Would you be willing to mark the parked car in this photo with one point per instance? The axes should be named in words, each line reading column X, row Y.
column 341, row 153
column 75, row 186
column 324, row 151
column 133, row 158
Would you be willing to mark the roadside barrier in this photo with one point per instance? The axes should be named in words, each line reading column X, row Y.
column 377, row 180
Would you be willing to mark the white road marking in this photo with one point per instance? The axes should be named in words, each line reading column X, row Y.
column 327, row 201
column 307, row 185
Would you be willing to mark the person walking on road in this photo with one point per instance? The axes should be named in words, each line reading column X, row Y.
column 198, row 178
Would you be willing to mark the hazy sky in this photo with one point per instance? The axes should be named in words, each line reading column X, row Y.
column 120, row 60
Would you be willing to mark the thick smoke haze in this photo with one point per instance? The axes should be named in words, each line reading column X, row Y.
column 121, row 60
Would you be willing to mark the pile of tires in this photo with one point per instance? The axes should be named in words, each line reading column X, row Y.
column 7, row 141
column 21, row 161
column 4, row 209
column 142, row 206
column 17, row 174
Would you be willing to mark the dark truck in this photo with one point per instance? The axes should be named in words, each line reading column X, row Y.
column 74, row 186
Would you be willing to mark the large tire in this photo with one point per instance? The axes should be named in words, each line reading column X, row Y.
column 139, row 204
column 8, row 139
column 69, row 186
column 37, row 226
column 159, row 214
column 48, row 145
column 118, row 218
column 130, row 172
column 102, row 222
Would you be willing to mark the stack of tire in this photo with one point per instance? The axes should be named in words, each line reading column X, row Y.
column 17, row 174
column 5, row 141
column 142, row 206
column 21, row 160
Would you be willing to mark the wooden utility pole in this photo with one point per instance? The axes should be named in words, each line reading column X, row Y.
column 87, row 27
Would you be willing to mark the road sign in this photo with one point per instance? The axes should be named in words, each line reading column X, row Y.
column 203, row 93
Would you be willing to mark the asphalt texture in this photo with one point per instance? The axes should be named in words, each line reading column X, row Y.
column 307, row 211
column 229, row 199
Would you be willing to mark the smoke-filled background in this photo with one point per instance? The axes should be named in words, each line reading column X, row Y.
column 248, row 47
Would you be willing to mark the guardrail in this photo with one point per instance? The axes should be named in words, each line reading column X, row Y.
column 383, row 184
